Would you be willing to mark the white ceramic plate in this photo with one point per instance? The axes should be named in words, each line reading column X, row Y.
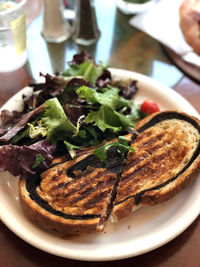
column 148, row 228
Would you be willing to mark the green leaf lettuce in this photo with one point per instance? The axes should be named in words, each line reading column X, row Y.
column 108, row 105
column 56, row 122
column 87, row 70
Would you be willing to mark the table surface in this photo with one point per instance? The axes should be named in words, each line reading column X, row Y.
column 121, row 46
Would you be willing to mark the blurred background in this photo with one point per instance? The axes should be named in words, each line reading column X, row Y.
column 120, row 44
column 125, row 36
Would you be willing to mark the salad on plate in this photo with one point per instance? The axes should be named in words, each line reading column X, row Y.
column 80, row 108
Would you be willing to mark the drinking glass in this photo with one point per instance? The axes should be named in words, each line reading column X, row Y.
column 12, row 35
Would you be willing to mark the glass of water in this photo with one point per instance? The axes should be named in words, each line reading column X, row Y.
column 12, row 35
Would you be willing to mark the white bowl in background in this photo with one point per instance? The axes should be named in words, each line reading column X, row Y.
column 132, row 8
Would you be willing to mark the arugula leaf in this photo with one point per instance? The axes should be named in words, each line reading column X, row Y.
column 39, row 158
column 122, row 145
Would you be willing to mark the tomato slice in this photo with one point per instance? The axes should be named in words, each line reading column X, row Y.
column 149, row 106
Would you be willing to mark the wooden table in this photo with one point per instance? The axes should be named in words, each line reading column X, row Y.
column 123, row 47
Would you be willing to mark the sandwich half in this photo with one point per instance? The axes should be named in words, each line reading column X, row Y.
column 166, row 160
column 73, row 197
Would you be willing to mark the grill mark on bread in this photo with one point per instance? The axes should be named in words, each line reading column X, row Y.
column 139, row 170
column 87, row 191
column 148, row 143
column 84, row 194
column 61, row 185
column 142, row 166
column 55, row 178
column 74, row 190
column 131, row 181
column 77, row 182
column 95, row 200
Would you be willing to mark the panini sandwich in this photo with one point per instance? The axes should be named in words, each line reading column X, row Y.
column 77, row 196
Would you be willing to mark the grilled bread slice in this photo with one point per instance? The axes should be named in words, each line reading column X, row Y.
column 166, row 159
column 73, row 197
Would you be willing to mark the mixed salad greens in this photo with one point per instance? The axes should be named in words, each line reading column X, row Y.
column 80, row 108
